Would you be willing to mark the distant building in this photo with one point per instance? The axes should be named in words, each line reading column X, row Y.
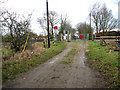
column 107, row 32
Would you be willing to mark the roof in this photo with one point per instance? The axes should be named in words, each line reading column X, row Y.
column 110, row 30
column 116, row 29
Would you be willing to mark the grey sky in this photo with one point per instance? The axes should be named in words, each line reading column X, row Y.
column 76, row 10
column 119, row 14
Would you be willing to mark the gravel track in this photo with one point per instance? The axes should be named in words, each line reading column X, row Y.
column 52, row 74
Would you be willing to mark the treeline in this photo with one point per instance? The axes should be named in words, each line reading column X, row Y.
column 55, row 19
column 102, row 18
column 15, row 28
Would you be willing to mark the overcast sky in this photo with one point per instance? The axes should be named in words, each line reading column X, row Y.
column 76, row 10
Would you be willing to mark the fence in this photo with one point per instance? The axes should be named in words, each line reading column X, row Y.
column 114, row 41
column 85, row 37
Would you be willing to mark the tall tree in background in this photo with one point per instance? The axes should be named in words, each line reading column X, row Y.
column 63, row 21
column 1, row 9
column 53, row 19
column 84, row 28
column 17, row 27
column 102, row 18
column 106, row 18
column 95, row 14
column 43, row 23
column 69, row 29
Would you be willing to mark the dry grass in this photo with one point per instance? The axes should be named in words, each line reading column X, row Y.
column 29, row 59
column 70, row 56
column 27, row 54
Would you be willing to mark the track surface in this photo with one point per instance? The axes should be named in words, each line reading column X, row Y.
column 52, row 74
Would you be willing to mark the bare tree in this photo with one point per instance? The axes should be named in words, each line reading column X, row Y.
column 69, row 29
column 63, row 21
column 43, row 23
column 113, row 24
column 53, row 19
column 106, row 17
column 103, row 18
column 17, row 27
column 84, row 28
column 95, row 14
column 1, row 9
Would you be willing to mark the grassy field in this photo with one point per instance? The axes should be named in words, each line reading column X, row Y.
column 105, row 62
column 13, row 67
column 70, row 56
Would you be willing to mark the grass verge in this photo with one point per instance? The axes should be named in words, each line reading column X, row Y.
column 14, row 67
column 70, row 56
column 6, row 52
column 104, row 62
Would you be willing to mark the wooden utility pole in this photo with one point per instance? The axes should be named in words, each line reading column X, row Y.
column 48, row 23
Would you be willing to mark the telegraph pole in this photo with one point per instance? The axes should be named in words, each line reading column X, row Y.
column 48, row 23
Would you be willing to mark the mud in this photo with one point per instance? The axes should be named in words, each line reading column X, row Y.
column 52, row 74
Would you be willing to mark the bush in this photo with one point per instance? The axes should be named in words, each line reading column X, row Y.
column 14, row 67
